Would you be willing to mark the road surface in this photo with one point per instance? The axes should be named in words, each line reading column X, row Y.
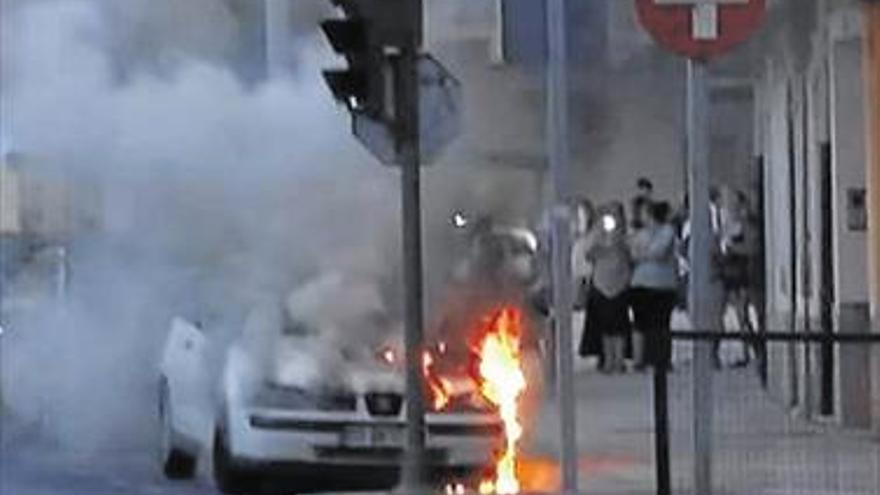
column 760, row 448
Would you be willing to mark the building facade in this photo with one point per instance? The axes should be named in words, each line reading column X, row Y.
column 816, row 138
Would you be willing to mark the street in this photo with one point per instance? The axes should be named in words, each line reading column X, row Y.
column 30, row 465
column 762, row 449
column 614, row 432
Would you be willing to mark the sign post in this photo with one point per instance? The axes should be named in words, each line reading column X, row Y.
column 558, row 152
column 698, row 30
column 700, row 268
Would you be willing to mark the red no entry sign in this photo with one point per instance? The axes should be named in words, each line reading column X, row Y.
column 701, row 29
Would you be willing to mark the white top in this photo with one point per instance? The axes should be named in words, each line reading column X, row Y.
column 653, row 250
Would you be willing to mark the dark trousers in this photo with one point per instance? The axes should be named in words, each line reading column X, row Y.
column 652, row 311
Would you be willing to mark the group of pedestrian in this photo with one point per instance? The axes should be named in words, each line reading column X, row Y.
column 631, row 289
column 634, row 274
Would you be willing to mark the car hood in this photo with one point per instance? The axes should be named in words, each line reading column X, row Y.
column 316, row 363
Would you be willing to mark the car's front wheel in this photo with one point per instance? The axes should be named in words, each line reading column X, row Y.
column 229, row 478
column 176, row 463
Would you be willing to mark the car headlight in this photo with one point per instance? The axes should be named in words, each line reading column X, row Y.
column 274, row 395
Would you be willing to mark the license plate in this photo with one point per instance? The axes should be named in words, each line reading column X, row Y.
column 372, row 436
column 385, row 436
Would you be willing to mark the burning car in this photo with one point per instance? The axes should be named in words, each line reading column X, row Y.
column 306, row 389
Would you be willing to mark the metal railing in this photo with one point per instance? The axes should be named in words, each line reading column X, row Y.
column 787, row 423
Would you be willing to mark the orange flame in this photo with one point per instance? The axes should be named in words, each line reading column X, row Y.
column 502, row 382
column 439, row 387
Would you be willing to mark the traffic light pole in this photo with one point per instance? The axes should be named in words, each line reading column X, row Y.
column 381, row 41
column 414, row 319
column 410, row 173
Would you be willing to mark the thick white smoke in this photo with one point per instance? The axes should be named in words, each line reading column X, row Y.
column 197, row 186
column 189, row 186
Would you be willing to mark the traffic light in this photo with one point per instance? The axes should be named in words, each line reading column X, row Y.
column 369, row 35
column 348, row 37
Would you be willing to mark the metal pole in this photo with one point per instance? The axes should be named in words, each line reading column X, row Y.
column 701, row 290
column 408, row 89
column 661, row 428
column 412, row 256
column 558, row 151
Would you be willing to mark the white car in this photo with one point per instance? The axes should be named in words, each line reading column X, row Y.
column 325, row 414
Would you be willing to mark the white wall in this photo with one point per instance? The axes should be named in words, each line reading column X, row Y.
column 731, row 152
column 499, row 156
column 626, row 38
column 644, row 137
column 631, row 124
column 848, row 136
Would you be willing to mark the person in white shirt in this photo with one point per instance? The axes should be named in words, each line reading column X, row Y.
column 653, row 286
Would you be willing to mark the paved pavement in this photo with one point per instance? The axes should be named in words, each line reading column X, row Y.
column 760, row 448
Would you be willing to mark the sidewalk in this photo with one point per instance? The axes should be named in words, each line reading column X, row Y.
column 759, row 447
column 614, row 433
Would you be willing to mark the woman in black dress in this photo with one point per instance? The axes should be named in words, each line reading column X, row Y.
column 607, row 309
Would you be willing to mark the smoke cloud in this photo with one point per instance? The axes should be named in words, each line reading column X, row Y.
column 193, row 186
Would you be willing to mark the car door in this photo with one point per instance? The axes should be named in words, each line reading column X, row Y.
column 187, row 375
